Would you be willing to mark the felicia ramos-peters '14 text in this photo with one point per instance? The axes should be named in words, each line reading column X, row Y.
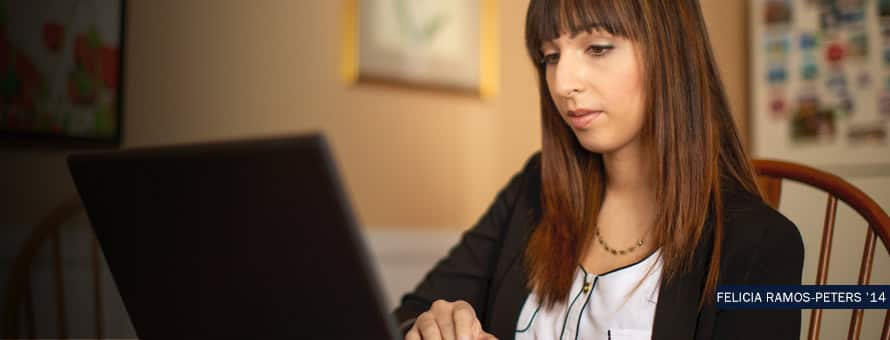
column 795, row 297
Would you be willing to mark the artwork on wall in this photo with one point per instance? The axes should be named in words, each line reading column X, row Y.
column 820, row 82
column 61, row 70
column 443, row 45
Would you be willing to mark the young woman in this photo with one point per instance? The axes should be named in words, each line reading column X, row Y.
column 641, row 201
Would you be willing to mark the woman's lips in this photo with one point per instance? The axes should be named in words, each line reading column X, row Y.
column 580, row 119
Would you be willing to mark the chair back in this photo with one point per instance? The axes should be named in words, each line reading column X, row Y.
column 771, row 173
column 20, row 314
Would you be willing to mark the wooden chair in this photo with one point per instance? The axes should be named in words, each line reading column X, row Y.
column 20, row 305
column 770, row 176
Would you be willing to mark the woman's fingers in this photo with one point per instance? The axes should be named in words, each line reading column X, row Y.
column 413, row 334
column 428, row 327
column 443, row 311
column 464, row 318
column 477, row 328
column 486, row 336
column 448, row 321
column 446, row 329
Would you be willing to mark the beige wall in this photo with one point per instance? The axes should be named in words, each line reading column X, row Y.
column 218, row 69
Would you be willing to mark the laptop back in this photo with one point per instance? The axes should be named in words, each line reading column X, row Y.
column 246, row 239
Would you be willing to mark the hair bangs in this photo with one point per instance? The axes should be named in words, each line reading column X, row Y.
column 549, row 19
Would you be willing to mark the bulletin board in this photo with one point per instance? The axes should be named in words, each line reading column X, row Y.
column 820, row 82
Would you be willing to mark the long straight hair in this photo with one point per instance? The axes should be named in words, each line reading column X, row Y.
column 688, row 133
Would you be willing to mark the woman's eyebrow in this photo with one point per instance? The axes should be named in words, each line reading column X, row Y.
column 593, row 29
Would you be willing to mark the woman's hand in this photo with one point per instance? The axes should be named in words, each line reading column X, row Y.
column 448, row 321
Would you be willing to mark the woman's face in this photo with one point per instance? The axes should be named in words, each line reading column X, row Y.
column 595, row 81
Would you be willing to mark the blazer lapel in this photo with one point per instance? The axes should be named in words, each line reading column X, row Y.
column 676, row 314
column 510, row 284
column 508, row 302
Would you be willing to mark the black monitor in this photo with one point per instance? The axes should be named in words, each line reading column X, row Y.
column 241, row 239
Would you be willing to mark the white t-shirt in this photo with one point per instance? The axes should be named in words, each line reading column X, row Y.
column 602, row 310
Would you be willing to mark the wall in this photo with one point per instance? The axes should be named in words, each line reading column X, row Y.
column 204, row 70
column 219, row 69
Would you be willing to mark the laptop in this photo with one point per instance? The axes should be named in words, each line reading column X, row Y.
column 240, row 239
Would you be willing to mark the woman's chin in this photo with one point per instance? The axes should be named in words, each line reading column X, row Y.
column 604, row 142
column 594, row 144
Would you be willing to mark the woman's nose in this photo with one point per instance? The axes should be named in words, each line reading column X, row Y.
column 569, row 77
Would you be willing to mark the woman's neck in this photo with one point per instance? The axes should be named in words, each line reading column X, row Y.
column 630, row 191
column 628, row 172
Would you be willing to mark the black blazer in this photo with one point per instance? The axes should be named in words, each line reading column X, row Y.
column 487, row 269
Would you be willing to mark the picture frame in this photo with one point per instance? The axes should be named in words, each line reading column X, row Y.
column 446, row 46
column 61, row 81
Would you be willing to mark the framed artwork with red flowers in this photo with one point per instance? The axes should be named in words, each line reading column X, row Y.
column 61, row 70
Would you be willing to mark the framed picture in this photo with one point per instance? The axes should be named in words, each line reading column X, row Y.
column 445, row 45
column 61, row 67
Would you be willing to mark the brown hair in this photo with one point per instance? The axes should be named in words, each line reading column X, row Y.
column 692, row 140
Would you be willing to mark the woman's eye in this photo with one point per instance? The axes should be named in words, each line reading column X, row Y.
column 599, row 50
column 550, row 59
